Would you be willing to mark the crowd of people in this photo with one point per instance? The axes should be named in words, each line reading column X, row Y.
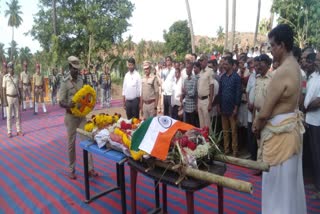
column 255, row 99
column 258, row 98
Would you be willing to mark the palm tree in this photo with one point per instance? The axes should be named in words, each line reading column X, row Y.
column 15, row 19
column 25, row 55
column 257, row 23
column 54, row 17
column 191, row 27
column 220, row 33
column 226, row 25
column 12, row 51
column 2, row 53
column 233, row 27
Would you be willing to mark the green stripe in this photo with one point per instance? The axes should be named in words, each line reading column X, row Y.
column 139, row 134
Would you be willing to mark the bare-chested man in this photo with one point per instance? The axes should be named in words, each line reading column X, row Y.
column 280, row 128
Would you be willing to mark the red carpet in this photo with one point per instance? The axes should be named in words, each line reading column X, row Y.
column 33, row 177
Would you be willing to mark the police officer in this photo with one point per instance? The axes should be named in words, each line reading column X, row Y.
column 105, row 84
column 53, row 83
column 149, row 92
column 2, row 73
column 38, row 87
column 69, row 87
column 12, row 98
column 25, row 78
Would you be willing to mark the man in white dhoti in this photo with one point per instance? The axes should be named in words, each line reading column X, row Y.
column 279, row 126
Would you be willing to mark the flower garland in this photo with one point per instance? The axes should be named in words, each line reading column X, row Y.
column 85, row 100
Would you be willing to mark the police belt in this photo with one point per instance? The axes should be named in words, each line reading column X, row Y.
column 203, row 98
column 38, row 87
column 26, row 84
column 9, row 95
column 68, row 111
column 149, row 101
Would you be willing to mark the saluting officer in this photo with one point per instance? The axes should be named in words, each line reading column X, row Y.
column 69, row 87
column 2, row 73
column 38, row 87
column 25, row 78
column 12, row 98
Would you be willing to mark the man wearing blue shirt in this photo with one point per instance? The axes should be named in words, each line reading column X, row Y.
column 229, row 101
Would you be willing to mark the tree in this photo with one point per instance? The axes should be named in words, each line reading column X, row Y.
column 25, row 55
column 15, row 19
column 226, row 25
column 190, row 26
column 220, row 33
column 264, row 26
column 84, row 27
column 303, row 17
column 2, row 53
column 257, row 23
column 13, row 50
column 178, row 39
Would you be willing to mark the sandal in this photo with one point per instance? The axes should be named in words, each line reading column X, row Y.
column 9, row 135
column 72, row 176
column 93, row 173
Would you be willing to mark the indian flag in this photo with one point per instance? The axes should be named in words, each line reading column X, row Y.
column 155, row 134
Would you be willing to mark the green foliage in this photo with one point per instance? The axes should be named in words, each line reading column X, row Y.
column 264, row 26
column 303, row 16
column 25, row 55
column 14, row 13
column 102, row 20
column 220, row 33
column 178, row 39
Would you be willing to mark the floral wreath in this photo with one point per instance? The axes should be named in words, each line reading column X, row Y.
column 84, row 100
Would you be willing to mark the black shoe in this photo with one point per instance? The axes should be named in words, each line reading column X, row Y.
column 35, row 113
column 24, row 109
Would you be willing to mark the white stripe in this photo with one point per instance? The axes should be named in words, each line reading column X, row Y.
column 151, row 135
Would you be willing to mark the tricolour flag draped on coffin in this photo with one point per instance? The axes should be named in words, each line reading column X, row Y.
column 155, row 134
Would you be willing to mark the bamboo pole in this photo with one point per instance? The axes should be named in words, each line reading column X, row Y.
column 244, row 163
column 231, row 183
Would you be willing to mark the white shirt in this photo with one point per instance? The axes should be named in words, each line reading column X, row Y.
column 167, row 77
column 131, row 85
column 250, row 90
column 313, row 92
column 176, row 92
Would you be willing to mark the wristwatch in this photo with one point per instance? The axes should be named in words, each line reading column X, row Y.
column 155, row 108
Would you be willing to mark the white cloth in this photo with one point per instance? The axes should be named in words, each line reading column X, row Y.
column 283, row 188
column 131, row 85
column 176, row 92
column 250, row 90
column 167, row 77
column 313, row 92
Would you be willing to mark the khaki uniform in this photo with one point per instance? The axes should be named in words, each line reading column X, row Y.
column 25, row 78
column 11, row 86
column 38, row 83
column 67, row 90
column 261, row 86
column 203, row 88
column 150, row 90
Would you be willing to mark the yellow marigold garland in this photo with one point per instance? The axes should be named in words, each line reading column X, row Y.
column 85, row 99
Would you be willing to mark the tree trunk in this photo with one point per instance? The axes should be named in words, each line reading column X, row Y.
column 54, row 17
column 234, row 5
column 89, row 52
column 271, row 18
column 226, row 26
column 257, row 24
column 191, row 27
column 11, row 54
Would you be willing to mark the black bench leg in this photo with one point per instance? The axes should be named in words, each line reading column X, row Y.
column 164, row 198
column 133, row 182
column 156, row 193
column 220, row 199
column 122, row 186
column 190, row 202
column 86, row 176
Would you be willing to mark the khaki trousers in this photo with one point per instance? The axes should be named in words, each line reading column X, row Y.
column 204, row 114
column 72, row 123
column 38, row 95
column 13, row 105
column 148, row 110
column 227, row 123
column 26, row 92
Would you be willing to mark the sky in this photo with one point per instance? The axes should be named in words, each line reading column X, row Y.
column 151, row 17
